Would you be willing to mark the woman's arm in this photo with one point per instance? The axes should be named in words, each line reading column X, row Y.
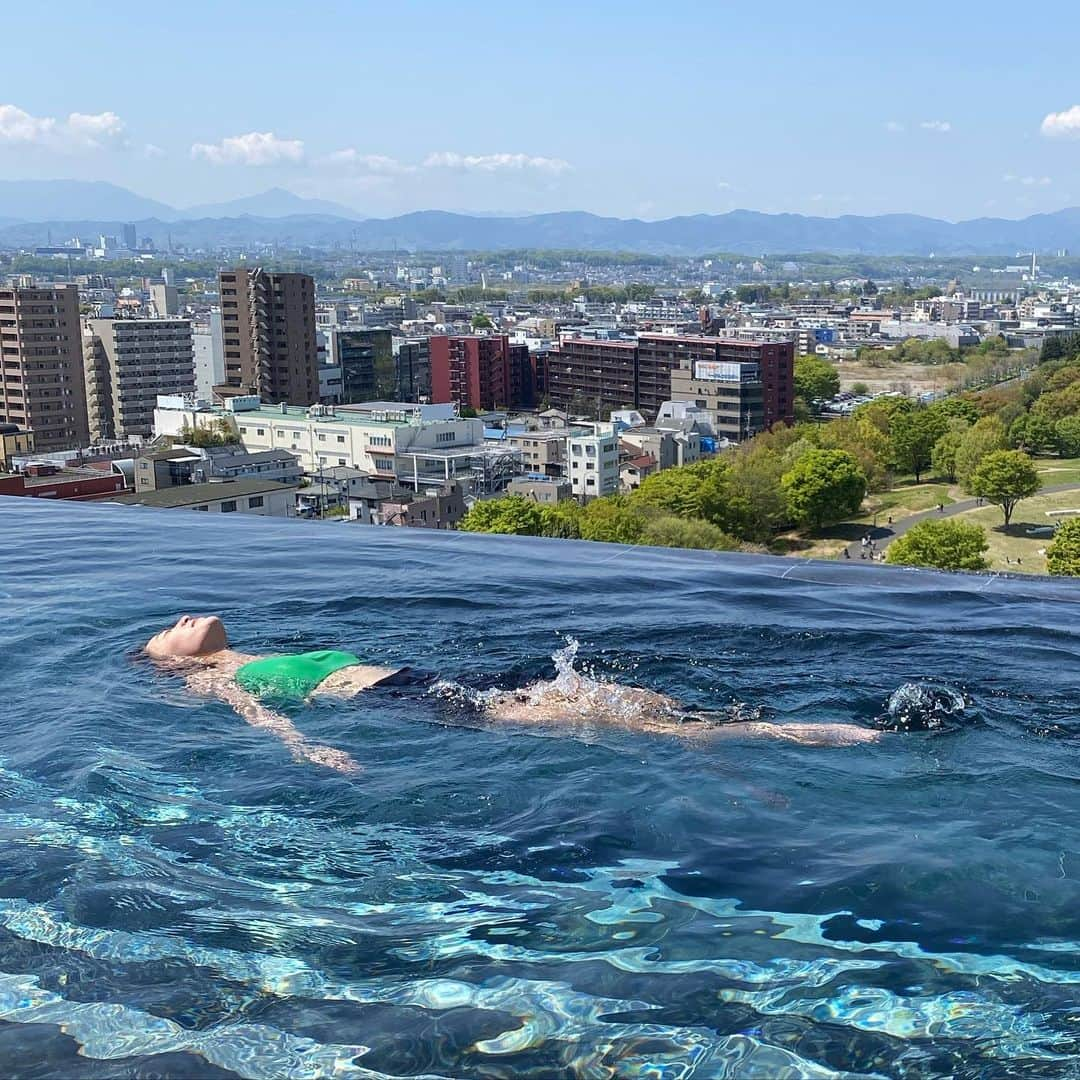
column 258, row 715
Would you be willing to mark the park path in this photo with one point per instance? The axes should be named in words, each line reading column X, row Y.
column 883, row 535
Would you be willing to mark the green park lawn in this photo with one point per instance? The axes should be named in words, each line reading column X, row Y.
column 1055, row 470
column 1018, row 543
column 904, row 499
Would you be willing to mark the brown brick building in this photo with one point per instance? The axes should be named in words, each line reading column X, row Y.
column 42, row 384
column 597, row 376
column 268, row 331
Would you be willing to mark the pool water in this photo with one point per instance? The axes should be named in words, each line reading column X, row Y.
column 178, row 897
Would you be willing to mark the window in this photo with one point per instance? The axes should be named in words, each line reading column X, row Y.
column 200, row 508
column 322, row 437
column 260, row 431
column 341, row 438
column 341, row 461
column 255, row 502
column 228, row 507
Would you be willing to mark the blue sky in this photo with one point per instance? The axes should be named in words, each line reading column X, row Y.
column 628, row 109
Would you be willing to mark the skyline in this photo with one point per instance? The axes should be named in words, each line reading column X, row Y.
column 366, row 109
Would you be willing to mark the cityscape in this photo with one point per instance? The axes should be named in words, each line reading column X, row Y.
column 407, row 391
column 542, row 542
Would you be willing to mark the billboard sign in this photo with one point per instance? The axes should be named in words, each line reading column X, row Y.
column 724, row 371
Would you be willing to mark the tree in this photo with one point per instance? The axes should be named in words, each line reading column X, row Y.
column 1067, row 436
column 693, row 491
column 815, row 380
column 1058, row 404
column 612, row 519
column 866, row 444
column 1033, row 433
column 981, row 439
column 944, row 544
column 213, row 433
column 957, row 408
column 1004, row 478
column 480, row 321
column 669, row 531
column 563, row 520
column 1063, row 555
column 823, row 487
column 883, row 410
column 912, row 436
column 943, row 456
column 860, row 388
column 513, row 514
column 755, row 505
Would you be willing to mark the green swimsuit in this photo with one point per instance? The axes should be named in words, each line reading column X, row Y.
column 293, row 675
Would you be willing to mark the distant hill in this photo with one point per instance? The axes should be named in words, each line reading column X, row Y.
column 66, row 208
column 70, row 200
column 275, row 203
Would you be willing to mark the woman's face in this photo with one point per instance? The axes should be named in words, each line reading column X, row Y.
column 193, row 635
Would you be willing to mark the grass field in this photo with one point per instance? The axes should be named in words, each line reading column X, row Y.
column 1056, row 470
column 905, row 499
column 915, row 377
column 1017, row 550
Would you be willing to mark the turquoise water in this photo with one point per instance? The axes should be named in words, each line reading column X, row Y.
column 179, row 898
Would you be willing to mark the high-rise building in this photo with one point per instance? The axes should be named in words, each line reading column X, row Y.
column 268, row 325
column 206, row 339
column 130, row 237
column 166, row 300
column 366, row 359
column 128, row 363
column 42, row 385
column 412, row 362
column 480, row 372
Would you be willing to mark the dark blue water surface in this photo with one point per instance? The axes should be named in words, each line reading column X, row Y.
column 178, row 897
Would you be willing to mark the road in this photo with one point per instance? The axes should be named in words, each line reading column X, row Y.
column 883, row 535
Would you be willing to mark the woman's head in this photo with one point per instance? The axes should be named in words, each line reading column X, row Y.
column 193, row 635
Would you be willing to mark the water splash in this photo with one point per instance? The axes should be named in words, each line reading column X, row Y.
column 924, row 707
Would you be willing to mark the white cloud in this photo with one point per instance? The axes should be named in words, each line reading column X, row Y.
column 254, row 148
column 79, row 131
column 894, row 126
column 494, row 162
column 97, row 129
column 372, row 163
column 1027, row 181
column 150, row 150
column 723, row 185
column 940, row 126
column 1062, row 125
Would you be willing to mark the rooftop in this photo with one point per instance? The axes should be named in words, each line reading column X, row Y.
column 193, row 494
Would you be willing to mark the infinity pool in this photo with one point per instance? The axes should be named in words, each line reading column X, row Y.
column 180, row 898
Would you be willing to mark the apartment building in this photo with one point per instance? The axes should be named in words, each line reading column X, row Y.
column 42, row 382
column 594, row 460
column 268, row 328
column 593, row 377
column 365, row 357
column 542, row 452
column 480, row 372
column 128, row 363
column 207, row 342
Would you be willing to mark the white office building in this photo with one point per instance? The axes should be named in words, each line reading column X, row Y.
column 594, row 460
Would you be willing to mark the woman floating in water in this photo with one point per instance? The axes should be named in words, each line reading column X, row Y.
column 198, row 648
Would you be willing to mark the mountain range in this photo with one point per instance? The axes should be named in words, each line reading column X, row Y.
column 32, row 212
